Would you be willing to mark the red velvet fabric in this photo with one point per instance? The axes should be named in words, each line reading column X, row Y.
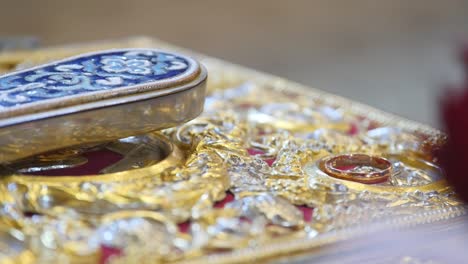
column 97, row 160
column 454, row 155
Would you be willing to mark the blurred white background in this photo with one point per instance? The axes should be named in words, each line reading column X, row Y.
column 392, row 54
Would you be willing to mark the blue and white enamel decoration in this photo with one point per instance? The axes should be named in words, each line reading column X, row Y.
column 120, row 80
column 90, row 74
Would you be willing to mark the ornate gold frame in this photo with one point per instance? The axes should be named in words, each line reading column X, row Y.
column 223, row 75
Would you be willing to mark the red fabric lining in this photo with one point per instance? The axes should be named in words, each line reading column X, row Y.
column 229, row 198
column 107, row 252
column 253, row 152
column 353, row 130
column 306, row 212
column 97, row 160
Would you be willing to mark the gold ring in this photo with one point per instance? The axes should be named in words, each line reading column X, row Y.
column 361, row 168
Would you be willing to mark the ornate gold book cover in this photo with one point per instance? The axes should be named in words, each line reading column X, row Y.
column 270, row 169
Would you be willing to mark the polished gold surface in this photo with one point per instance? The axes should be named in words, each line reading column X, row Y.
column 259, row 140
column 100, row 125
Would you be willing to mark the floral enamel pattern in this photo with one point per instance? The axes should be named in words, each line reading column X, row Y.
column 89, row 73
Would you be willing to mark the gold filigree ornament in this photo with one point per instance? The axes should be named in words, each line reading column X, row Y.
column 236, row 184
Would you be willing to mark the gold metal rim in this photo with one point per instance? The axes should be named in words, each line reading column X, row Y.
column 175, row 156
